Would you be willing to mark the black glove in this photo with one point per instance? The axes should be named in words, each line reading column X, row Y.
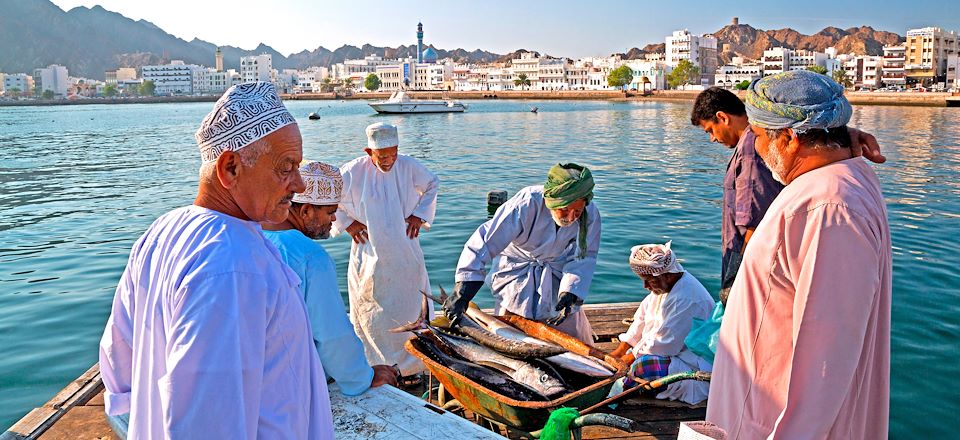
column 565, row 307
column 457, row 303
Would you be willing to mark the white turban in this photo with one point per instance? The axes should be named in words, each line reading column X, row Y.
column 324, row 184
column 654, row 259
column 244, row 114
column 382, row 135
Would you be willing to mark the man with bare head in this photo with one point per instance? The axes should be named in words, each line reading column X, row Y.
column 208, row 336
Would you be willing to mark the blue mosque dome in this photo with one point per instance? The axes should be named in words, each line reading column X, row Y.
column 429, row 55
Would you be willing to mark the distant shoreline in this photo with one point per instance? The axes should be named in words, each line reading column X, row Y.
column 899, row 99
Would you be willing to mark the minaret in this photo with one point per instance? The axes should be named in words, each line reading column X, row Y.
column 419, row 43
column 219, row 60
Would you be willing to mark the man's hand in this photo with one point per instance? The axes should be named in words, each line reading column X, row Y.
column 457, row 303
column 413, row 226
column 358, row 231
column 565, row 307
column 384, row 375
column 864, row 144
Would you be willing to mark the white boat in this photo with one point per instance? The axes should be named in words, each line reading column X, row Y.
column 400, row 103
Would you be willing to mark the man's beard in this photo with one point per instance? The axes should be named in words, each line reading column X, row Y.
column 774, row 162
column 561, row 222
column 318, row 232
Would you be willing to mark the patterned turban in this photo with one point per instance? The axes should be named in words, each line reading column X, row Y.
column 798, row 99
column 567, row 183
column 382, row 135
column 654, row 259
column 244, row 114
column 324, row 184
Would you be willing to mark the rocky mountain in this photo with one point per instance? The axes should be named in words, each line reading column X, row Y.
column 89, row 41
column 637, row 53
column 749, row 42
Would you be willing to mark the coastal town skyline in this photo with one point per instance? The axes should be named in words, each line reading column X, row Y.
column 503, row 29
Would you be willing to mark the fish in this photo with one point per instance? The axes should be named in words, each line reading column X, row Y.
column 511, row 347
column 520, row 371
column 486, row 377
column 570, row 361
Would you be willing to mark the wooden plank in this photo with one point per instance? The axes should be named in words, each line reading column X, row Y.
column 389, row 413
column 96, row 400
column 80, row 423
column 31, row 423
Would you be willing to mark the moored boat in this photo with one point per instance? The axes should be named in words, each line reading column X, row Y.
column 399, row 102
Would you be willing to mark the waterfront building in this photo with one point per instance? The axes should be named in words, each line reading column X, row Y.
column 175, row 78
column 953, row 72
column 926, row 52
column 17, row 83
column 894, row 59
column 256, row 68
column 359, row 68
column 736, row 72
column 461, row 77
column 53, row 78
column 853, row 66
column 776, row 60
column 499, row 79
column 391, row 76
column 527, row 64
column 120, row 74
column 654, row 72
column 577, row 76
column 700, row 50
column 872, row 72
column 210, row 81
column 552, row 74
column 804, row 59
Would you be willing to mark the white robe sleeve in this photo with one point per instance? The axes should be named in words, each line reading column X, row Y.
column 215, row 358
column 116, row 352
column 490, row 239
column 341, row 351
column 578, row 273
column 635, row 332
column 427, row 185
column 668, row 340
column 347, row 208
column 835, row 286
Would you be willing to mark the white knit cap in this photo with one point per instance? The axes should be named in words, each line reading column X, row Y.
column 244, row 114
column 382, row 135
column 324, row 184
column 654, row 259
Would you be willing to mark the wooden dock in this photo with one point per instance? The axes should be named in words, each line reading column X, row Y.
column 77, row 412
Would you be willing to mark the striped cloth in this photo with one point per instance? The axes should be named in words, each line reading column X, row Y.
column 647, row 367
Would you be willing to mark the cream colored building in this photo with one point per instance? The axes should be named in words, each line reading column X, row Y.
column 894, row 59
column 926, row 52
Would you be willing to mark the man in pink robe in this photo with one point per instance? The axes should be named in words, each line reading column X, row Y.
column 804, row 348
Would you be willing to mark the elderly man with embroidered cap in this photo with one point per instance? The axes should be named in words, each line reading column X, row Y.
column 547, row 237
column 388, row 197
column 654, row 342
column 804, row 348
column 209, row 336
column 311, row 218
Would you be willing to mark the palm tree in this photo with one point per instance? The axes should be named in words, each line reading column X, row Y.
column 522, row 81
column 326, row 85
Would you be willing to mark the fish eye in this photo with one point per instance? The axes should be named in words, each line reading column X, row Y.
column 543, row 379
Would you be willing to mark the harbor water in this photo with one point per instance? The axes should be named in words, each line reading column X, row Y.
column 79, row 184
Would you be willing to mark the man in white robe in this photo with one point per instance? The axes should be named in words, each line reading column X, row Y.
column 804, row 349
column 208, row 336
column 654, row 343
column 388, row 197
column 548, row 238
column 311, row 218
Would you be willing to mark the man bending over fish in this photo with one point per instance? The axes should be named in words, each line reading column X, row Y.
column 547, row 237
column 654, row 342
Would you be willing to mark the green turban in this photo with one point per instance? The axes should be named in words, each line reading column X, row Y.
column 567, row 183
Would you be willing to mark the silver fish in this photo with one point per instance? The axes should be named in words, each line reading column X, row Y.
column 571, row 361
column 518, row 370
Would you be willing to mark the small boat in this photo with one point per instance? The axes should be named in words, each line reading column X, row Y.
column 313, row 116
column 400, row 103
column 534, row 109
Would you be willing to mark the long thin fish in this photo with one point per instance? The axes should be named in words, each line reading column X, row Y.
column 571, row 361
column 518, row 370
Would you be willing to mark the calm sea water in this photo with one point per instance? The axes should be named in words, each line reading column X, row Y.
column 78, row 185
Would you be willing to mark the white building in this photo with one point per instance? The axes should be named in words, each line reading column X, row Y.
column 804, row 59
column 175, row 78
column 894, row 58
column 19, row 83
column 209, row 81
column 737, row 72
column 499, row 79
column 256, row 68
column 953, row 71
column 654, row 71
column 360, row 68
column 872, row 72
column 53, row 78
column 552, row 74
column 701, row 51
column 528, row 64
column 776, row 60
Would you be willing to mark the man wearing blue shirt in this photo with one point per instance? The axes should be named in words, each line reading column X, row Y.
column 311, row 216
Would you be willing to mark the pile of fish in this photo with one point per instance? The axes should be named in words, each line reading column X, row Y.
column 501, row 357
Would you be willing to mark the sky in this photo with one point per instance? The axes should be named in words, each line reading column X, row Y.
column 559, row 27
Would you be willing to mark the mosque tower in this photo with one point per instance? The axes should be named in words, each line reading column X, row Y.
column 219, row 60
column 419, row 43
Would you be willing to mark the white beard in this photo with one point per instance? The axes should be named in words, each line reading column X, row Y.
column 775, row 163
column 561, row 222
